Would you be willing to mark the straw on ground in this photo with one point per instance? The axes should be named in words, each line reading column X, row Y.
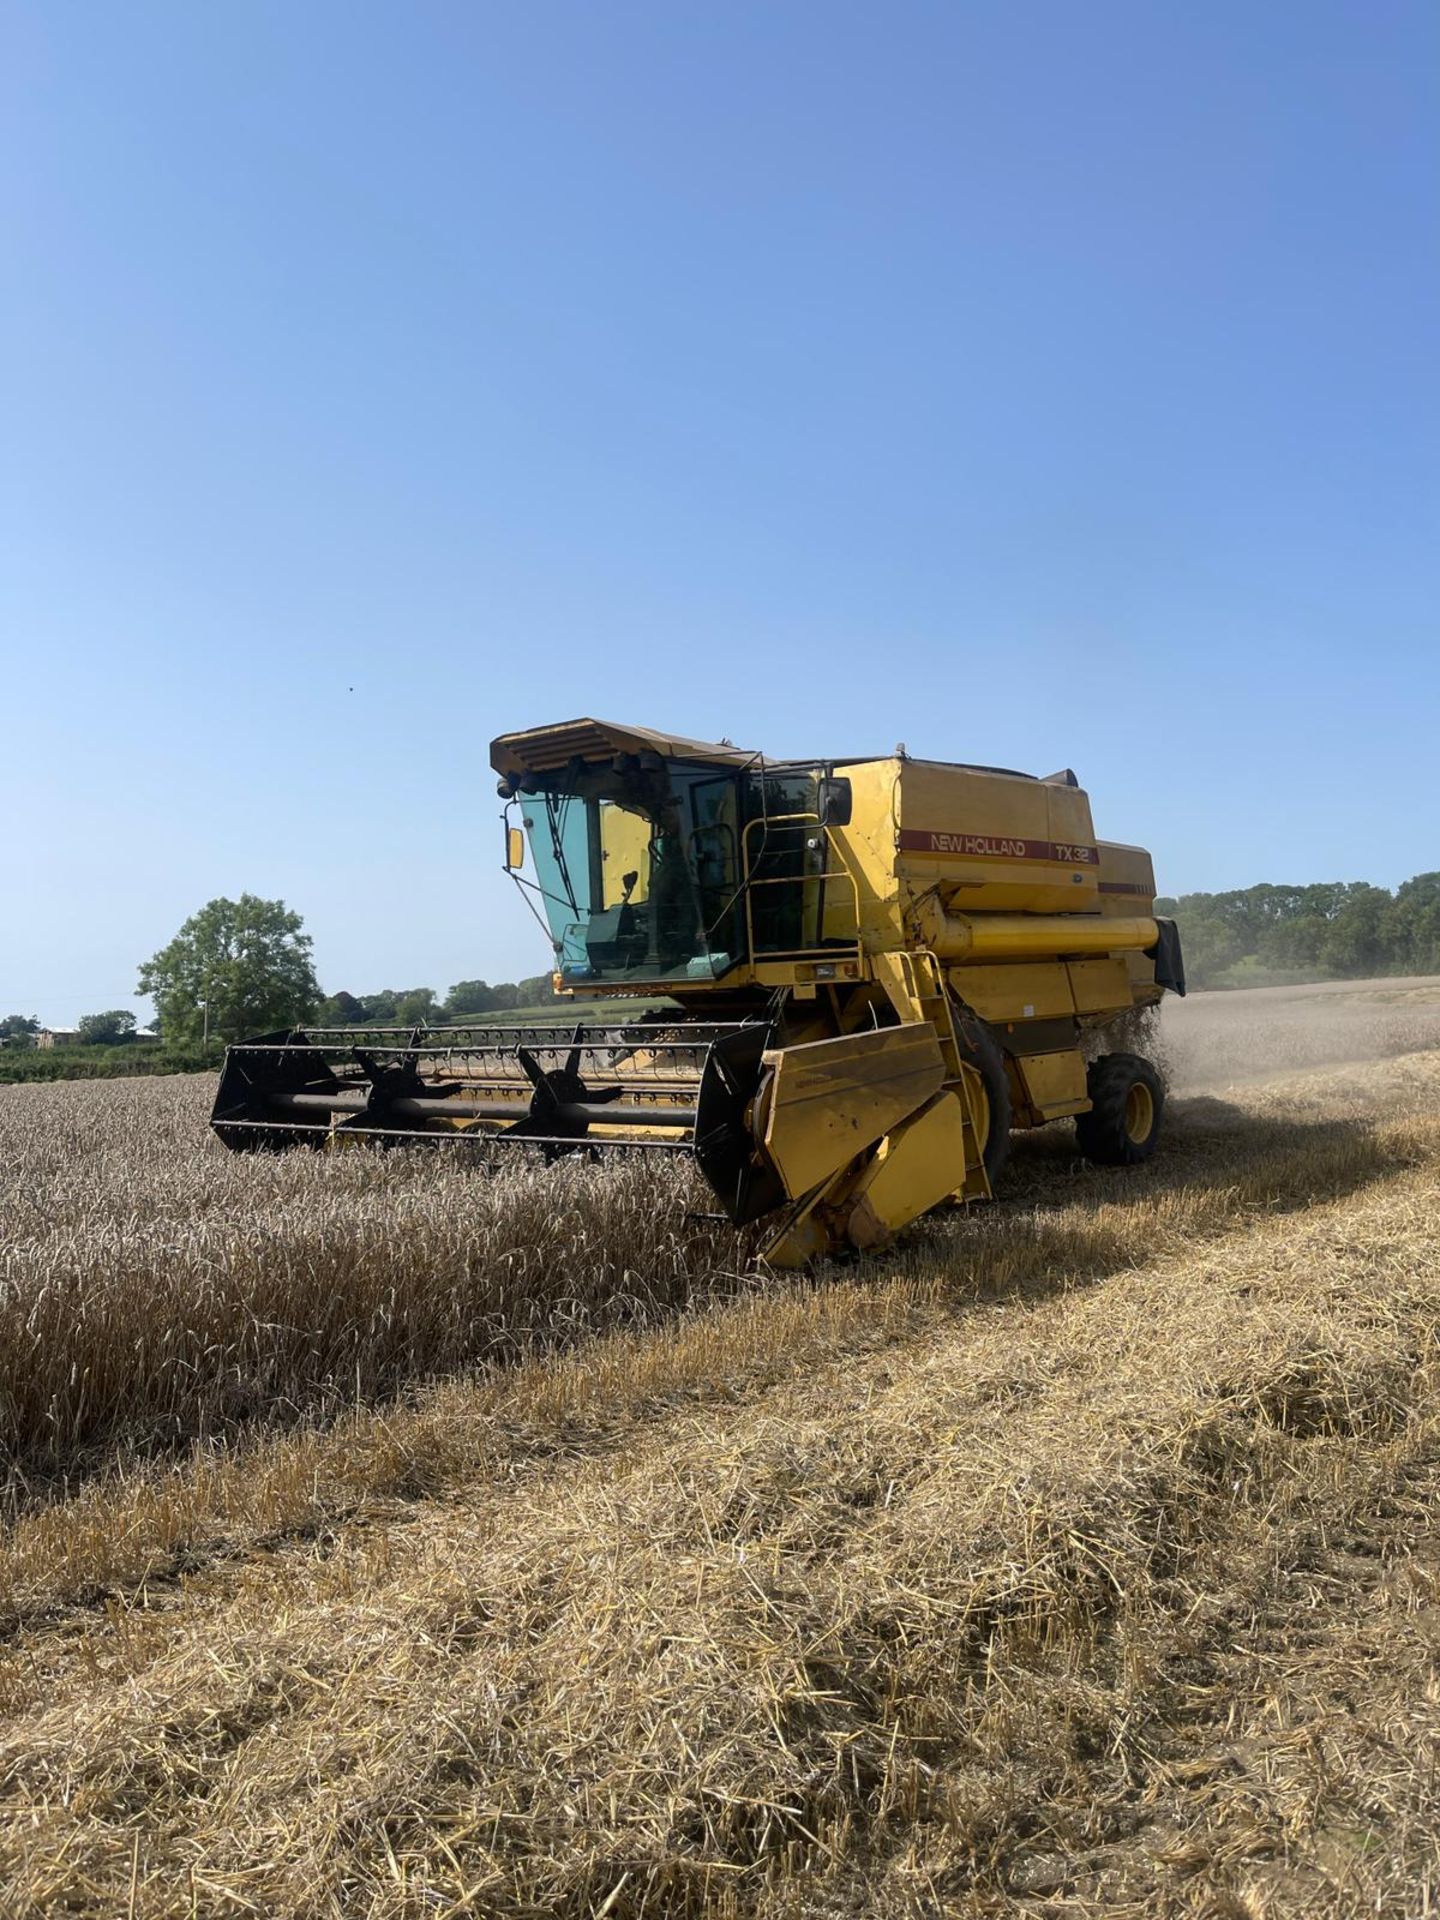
column 1079, row 1557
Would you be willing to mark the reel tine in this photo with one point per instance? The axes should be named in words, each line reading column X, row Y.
column 534, row 1072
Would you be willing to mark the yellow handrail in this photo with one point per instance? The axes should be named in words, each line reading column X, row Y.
column 842, row 872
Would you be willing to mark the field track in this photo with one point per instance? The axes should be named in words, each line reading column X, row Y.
column 1080, row 1556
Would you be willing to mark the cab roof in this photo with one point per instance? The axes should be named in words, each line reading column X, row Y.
column 546, row 749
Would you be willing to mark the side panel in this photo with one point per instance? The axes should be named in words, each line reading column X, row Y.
column 1127, row 885
column 1103, row 986
column 1127, row 878
column 1043, row 990
column 995, row 842
column 1054, row 1083
column 867, row 847
column 1038, row 990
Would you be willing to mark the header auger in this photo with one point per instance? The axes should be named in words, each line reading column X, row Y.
column 877, row 969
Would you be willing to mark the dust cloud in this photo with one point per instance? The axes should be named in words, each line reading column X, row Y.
column 1213, row 1039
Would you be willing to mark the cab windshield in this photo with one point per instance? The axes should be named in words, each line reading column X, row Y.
column 638, row 871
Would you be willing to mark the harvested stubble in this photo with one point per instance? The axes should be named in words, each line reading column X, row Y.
column 1083, row 1560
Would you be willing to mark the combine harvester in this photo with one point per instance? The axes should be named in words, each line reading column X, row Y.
column 879, row 968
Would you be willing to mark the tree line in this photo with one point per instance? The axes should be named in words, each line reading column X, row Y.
column 1333, row 930
column 243, row 967
column 422, row 1006
column 109, row 1029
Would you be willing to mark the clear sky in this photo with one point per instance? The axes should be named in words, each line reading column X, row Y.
column 1031, row 381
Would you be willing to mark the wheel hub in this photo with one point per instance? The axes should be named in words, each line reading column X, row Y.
column 1139, row 1112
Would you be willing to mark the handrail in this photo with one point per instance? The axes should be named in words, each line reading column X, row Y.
column 750, row 883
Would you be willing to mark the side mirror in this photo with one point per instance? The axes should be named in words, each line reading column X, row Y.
column 514, row 849
column 833, row 802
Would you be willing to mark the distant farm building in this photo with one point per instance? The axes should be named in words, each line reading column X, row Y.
column 58, row 1037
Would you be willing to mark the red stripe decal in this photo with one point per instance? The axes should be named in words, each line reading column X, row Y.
column 994, row 846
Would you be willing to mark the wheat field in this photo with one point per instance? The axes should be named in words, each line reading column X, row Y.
column 389, row 1537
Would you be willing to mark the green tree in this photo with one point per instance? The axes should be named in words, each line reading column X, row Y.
column 341, row 1010
column 236, row 968
column 19, row 1029
column 1212, row 932
column 469, row 996
column 378, row 1008
column 1412, row 926
column 1355, row 945
column 106, row 1029
column 416, row 1007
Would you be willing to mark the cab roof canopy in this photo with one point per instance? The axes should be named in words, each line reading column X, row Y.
column 547, row 749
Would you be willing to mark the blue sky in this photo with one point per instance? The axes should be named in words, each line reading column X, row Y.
column 1040, row 383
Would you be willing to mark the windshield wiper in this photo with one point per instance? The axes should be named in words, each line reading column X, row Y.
column 558, row 847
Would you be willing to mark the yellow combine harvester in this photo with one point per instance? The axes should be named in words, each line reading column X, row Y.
column 878, row 969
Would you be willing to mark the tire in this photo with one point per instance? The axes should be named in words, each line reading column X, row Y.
column 1127, row 1099
column 980, row 1049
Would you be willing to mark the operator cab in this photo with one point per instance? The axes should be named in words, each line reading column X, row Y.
column 655, row 865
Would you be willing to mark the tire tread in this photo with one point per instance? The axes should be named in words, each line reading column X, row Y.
column 1101, row 1134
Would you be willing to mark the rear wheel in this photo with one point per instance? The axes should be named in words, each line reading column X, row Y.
column 980, row 1049
column 1127, row 1098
